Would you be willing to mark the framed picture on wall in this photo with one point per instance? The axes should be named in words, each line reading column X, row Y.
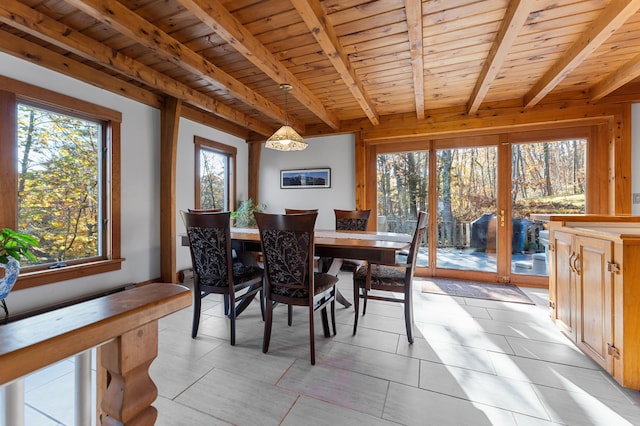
column 305, row 178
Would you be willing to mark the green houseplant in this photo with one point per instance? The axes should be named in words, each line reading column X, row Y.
column 244, row 214
column 16, row 245
column 13, row 247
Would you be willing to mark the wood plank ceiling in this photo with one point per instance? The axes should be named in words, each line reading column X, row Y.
column 346, row 60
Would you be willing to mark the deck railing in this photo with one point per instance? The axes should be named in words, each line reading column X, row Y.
column 124, row 328
column 455, row 234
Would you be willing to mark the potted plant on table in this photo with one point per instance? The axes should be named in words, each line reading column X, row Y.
column 244, row 215
column 13, row 246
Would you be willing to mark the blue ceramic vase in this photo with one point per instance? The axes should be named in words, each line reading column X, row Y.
column 11, row 271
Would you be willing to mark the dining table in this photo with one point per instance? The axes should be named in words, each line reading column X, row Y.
column 371, row 246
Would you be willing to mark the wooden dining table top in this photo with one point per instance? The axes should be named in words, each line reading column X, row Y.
column 374, row 246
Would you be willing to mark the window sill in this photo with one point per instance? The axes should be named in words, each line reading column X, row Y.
column 37, row 278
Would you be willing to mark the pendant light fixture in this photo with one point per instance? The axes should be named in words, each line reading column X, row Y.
column 286, row 138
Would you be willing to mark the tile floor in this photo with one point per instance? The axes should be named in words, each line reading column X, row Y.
column 474, row 362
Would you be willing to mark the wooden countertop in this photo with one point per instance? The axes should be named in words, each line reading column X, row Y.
column 551, row 217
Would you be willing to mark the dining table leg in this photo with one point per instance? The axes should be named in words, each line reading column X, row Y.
column 334, row 267
column 341, row 299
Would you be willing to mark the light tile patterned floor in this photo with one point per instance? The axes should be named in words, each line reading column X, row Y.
column 474, row 362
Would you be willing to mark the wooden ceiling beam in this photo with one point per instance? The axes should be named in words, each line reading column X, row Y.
column 454, row 121
column 515, row 17
column 203, row 117
column 616, row 79
column 614, row 15
column 31, row 52
column 32, row 22
column 413, row 10
column 132, row 25
column 629, row 93
column 214, row 14
column 318, row 23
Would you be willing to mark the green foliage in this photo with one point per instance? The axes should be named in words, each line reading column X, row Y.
column 213, row 179
column 244, row 214
column 545, row 177
column 58, row 183
column 16, row 244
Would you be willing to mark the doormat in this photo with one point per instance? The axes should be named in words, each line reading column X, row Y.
column 475, row 289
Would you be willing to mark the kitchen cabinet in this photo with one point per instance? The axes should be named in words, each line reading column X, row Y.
column 594, row 293
column 562, row 293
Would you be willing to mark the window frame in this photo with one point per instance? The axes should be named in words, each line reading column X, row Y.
column 228, row 150
column 13, row 92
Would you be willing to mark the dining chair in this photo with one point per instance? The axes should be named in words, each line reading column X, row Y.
column 300, row 211
column 390, row 278
column 316, row 260
column 214, row 270
column 349, row 220
column 288, row 246
column 352, row 220
column 204, row 210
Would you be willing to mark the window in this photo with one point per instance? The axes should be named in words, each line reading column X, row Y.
column 215, row 178
column 60, row 186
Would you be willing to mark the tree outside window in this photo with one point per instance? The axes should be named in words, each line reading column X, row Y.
column 59, row 173
column 215, row 179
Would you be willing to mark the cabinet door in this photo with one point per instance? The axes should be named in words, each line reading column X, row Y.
column 562, row 286
column 593, row 285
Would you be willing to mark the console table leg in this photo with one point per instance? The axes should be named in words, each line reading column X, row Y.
column 130, row 392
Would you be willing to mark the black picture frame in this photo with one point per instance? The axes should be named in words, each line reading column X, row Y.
column 305, row 178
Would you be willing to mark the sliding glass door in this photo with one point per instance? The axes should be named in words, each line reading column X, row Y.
column 466, row 219
column 480, row 198
column 403, row 191
column 546, row 177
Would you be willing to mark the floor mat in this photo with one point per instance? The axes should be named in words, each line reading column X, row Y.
column 474, row 289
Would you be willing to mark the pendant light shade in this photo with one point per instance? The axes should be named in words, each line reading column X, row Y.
column 286, row 138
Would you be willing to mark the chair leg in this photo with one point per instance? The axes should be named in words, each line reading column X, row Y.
column 333, row 315
column 262, row 302
column 197, row 302
column 289, row 315
column 312, row 337
column 325, row 322
column 364, row 305
column 227, row 312
column 356, row 305
column 267, row 324
column 408, row 313
column 232, row 317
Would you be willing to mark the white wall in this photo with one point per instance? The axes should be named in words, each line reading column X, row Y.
column 185, row 169
column 335, row 152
